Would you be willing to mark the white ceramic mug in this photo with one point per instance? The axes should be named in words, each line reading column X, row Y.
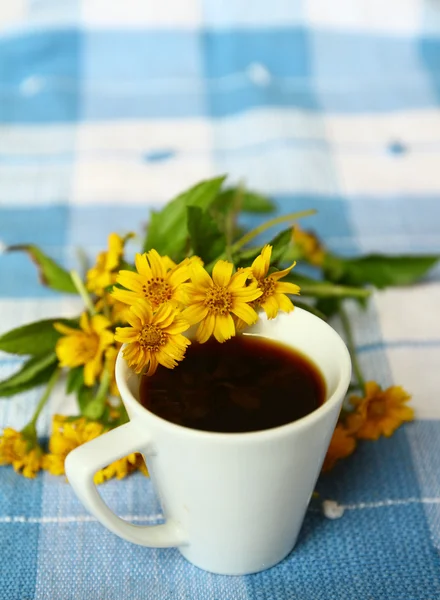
column 233, row 502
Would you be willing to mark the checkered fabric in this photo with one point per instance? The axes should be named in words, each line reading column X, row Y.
column 110, row 108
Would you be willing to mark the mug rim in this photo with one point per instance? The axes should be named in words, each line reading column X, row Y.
column 122, row 370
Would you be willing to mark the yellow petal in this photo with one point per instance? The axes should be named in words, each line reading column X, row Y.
column 245, row 312
column 261, row 264
column 131, row 281
column 195, row 313
column 152, row 366
column 142, row 266
column 284, row 287
column 222, row 273
column 84, row 323
column 239, row 279
column 224, row 328
column 65, row 329
column 179, row 325
column 126, row 335
column 280, row 274
column 164, row 315
column 179, row 274
column 156, row 264
column 143, row 311
column 248, row 294
column 90, row 369
column 205, row 329
column 270, row 307
column 165, row 359
column 168, row 263
column 99, row 322
column 115, row 248
column 284, row 303
column 199, row 277
column 124, row 296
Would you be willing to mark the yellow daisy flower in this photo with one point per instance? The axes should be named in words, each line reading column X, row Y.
column 273, row 292
column 153, row 338
column 103, row 273
column 67, row 434
column 380, row 412
column 156, row 280
column 213, row 301
column 121, row 468
column 17, row 450
column 310, row 246
column 84, row 346
column 342, row 445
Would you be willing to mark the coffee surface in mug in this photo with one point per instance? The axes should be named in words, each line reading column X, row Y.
column 248, row 383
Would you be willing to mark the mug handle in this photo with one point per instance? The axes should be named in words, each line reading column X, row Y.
column 81, row 465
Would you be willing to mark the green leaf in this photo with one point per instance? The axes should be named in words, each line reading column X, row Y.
column 168, row 230
column 280, row 246
column 36, row 338
column 75, row 379
column 36, row 371
column 51, row 273
column 207, row 241
column 378, row 270
column 250, row 202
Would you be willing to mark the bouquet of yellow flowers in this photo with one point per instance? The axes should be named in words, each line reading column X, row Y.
column 197, row 267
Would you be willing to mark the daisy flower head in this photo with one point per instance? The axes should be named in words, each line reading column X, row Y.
column 273, row 291
column 103, row 274
column 157, row 279
column 379, row 412
column 84, row 346
column 213, row 301
column 153, row 338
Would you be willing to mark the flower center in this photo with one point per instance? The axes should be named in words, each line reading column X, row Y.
column 218, row 300
column 152, row 338
column 267, row 286
column 377, row 408
column 157, row 291
column 87, row 346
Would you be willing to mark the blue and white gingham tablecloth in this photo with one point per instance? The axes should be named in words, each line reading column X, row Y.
column 110, row 108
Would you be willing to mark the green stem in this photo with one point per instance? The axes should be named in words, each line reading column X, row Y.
column 351, row 347
column 47, row 392
column 250, row 235
column 95, row 408
column 332, row 291
column 29, row 431
column 81, row 288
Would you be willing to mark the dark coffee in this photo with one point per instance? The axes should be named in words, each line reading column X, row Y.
column 249, row 383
